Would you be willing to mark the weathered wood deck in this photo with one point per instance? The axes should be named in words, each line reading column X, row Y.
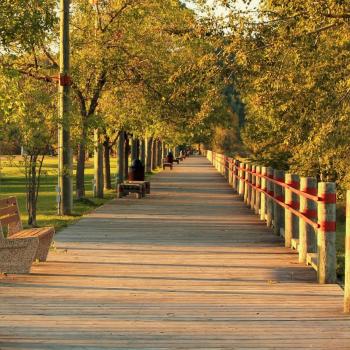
column 188, row 268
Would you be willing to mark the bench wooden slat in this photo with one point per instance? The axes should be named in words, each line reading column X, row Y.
column 9, row 215
column 4, row 211
column 10, row 219
column 5, row 202
column 32, row 232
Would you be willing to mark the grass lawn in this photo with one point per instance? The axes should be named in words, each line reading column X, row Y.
column 12, row 183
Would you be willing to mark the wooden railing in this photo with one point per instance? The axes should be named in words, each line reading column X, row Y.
column 347, row 257
column 300, row 209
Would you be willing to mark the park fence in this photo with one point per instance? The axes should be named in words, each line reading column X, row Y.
column 300, row 209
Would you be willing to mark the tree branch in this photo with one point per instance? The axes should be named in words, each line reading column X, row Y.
column 337, row 15
column 97, row 93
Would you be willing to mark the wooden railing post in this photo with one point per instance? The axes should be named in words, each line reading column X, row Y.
column 246, row 186
column 230, row 170
column 249, row 181
column 241, row 180
column 257, row 192
column 307, row 234
column 253, row 190
column 278, row 214
column 227, row 169
column 347, row 257
column 209, row 156
column 222, row 165
column 269, row 201
column 291, row 221
column 235, row 180
column 262, row 195
column 326, row 254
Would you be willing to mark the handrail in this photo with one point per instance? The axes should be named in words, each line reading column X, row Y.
column 282, row 184
column 284, row 205
column 299, row 208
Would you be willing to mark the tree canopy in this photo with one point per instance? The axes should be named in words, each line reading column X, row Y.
column 270, row 82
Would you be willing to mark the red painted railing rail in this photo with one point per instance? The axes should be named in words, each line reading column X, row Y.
column 297, row 208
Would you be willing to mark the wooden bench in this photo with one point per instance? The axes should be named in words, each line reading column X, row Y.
column 125, row 188
column 147, row 184
column 21, row 246
column 167, row 164
column 176, row 160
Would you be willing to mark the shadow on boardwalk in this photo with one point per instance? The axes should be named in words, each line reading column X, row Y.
column 190, row 267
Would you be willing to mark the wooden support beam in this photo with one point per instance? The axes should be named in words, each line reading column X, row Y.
column 291, row 221
column 258, row 193
column 347, row 257
column 269, row 201
column 278, row 212
column 307, row 234
column 262, row 195
column 326, row 254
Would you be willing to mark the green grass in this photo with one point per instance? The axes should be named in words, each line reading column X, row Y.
column 12, row 183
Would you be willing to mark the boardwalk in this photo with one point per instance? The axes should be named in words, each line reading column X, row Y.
column 188, row 268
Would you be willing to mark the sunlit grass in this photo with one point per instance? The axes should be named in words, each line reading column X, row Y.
column 12, row 183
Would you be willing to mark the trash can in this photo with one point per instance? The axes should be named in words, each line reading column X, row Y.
column 136, row 171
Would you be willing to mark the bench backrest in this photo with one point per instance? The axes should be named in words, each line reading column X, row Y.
column 10, row 220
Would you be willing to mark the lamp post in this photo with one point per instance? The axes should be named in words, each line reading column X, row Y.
column 65, row 188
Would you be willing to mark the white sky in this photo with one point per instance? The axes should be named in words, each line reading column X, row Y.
column 220, row 10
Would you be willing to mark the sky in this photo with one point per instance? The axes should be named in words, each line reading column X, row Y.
column 221, row 10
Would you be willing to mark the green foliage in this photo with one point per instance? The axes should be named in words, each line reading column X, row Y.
column 289, row 60
column 24, row 24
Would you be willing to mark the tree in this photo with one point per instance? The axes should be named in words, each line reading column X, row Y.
column 30, row 118
column 25, row 24
column 287, row 61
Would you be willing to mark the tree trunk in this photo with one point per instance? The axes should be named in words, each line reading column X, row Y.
column 134, row 149
column 121, row 157
column 138, row 146
column 159, row 158
column 154, row 153
column 31, row 190
column 126, row 156
column 143, row 151
column 107, row 163
column 80, row 175
column 32, row 174
column 98, row 165
column 149, row 141
column 163, row 152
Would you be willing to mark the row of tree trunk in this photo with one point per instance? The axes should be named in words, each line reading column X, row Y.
column 149, row 150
